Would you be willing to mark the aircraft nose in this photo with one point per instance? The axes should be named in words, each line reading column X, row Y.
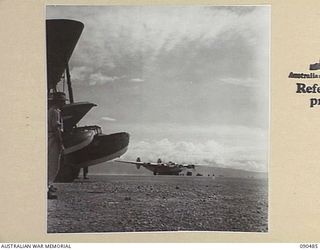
column 126, row 135
column 124, row 138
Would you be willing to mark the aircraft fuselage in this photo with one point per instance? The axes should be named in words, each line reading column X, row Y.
column 162, row 169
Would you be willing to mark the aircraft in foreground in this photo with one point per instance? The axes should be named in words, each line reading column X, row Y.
column 163, row 168
column 84, row 145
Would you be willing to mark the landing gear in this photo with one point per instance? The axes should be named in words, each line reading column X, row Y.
column 154, row 173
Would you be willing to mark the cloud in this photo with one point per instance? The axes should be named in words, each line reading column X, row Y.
column 137, row 80
column 248, row 82
column 109, row 119
column 100, row 79
column 80, row 73
column 139, row 39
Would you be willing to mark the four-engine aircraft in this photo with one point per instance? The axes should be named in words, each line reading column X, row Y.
column 87, row 145
column 162, row 168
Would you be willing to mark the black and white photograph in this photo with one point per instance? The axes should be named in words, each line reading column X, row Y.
column 157, row 118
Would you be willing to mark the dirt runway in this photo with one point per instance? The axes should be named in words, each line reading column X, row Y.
column 118, row 203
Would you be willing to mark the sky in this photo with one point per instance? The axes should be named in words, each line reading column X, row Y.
column 189, row 83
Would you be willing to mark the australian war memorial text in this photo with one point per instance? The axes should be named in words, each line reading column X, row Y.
column 34, row 245
column 307, row 87
column 303, row 75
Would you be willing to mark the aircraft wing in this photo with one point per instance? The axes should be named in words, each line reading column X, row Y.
column 72, row 113
column 157, row 164
column 62, row 38
column 132, row 162
column 140, row 163
column 192, row 165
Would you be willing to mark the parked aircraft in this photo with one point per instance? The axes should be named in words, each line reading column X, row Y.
column 87, row 145
column 163, row 168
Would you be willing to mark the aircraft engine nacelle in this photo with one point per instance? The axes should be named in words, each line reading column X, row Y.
column 138, row 160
